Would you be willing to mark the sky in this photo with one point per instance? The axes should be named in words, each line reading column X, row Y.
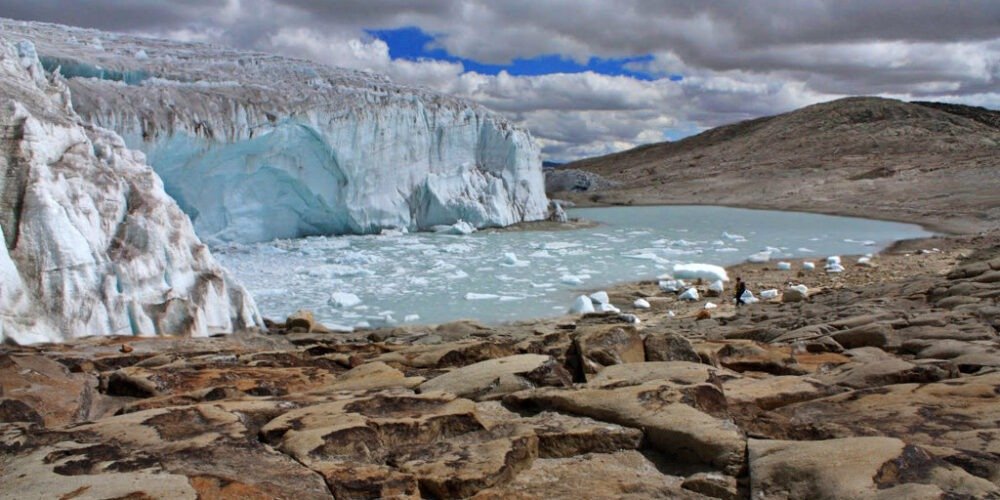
column 591, row 77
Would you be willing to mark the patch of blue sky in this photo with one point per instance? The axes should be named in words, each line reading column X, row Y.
column 412, row 43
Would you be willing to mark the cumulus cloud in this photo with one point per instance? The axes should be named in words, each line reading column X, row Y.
column 738, row 59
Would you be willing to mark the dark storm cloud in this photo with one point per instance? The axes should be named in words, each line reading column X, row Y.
column 739, row 58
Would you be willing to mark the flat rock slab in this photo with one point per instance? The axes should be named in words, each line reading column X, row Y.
column 959, row 413
column 434, row 438
column 561, row 435
column 36, row 389
column 183, row 452
column 675, row 372
column 495, row 377
column 774, row 392
column 689, row 422
column 452, row 354
column 177, row 378
column 862, row 467
column 625, row 474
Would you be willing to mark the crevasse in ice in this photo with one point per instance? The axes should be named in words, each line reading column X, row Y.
column 92, row 243
column 255, row 146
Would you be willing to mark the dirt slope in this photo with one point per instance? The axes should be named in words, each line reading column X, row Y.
column 933, row 163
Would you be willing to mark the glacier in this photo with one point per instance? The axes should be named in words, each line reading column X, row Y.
column 93, row 245
column 255, row 146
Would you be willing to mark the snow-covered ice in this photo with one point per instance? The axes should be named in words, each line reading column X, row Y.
column 707, row 272
column 582, row 305
column 256, row 146
column 689, row 294
column 344, row 299
column 600, row 297
column 783, row 266
column 641, row 304
column 94, row 246
column 769, row 294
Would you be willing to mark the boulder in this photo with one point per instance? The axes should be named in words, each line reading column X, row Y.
column 669, row 347
column 38, row 389
column 495, row 377
column 712, row 484
column 598, row 346
column 869, row 335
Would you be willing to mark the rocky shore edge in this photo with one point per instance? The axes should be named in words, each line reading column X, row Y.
column 880, row 381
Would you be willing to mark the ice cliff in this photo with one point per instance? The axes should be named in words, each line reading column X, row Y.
column 92, row 243
column 255, row 147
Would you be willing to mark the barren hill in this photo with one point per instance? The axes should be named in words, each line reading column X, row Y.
column 933, row 163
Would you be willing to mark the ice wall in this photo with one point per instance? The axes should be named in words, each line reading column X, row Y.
column 255, row 146
column 92, row 243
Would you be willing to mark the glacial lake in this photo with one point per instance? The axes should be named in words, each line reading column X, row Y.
column 498, row 276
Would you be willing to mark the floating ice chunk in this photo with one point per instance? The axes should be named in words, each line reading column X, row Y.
column 410, row 318
column 570, row 279
column 769, row 294
column 727, row 249
column 344, row 299
column 457, row 275
column 600, row 297
column 606, row 308
column 717, row 286
column 710, row 305
column 141, row 55
column 707, row 272
column 805, row 250
column 808, row 266
column 671, row 285
column 511, row 260
column 582, row 305
column 559, row 245
column 509, row 298
column 481, row 296
column 689, row 294
column 362, row 325
column 641, row 304
column 460, row 228
column 733, row 237
column 540, row 254
column 784, row 266
column 759, row 257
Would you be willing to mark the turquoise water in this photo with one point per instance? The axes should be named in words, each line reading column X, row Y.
column 511, row 275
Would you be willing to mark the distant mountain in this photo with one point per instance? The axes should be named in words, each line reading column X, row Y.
column 929, row 162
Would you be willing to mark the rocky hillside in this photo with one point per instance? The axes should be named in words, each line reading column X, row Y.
column 928, row 162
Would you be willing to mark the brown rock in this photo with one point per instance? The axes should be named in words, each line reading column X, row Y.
column 598, row 346
column 669, row 347
column 623, row 474
column 676, row 372
column 869, row 335
column 713, row 484
column 689, row 422
column 495, row 377
column 851, row 468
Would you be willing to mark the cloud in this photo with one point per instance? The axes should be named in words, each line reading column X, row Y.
column 738, row 59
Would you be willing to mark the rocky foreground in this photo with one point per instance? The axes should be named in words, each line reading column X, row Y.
column 882, row 382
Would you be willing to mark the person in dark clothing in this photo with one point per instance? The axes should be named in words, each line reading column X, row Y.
column 741, row 287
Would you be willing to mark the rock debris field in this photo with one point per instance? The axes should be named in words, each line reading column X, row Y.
column 880, row 381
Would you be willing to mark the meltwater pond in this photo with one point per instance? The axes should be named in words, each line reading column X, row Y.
column 510, row 275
